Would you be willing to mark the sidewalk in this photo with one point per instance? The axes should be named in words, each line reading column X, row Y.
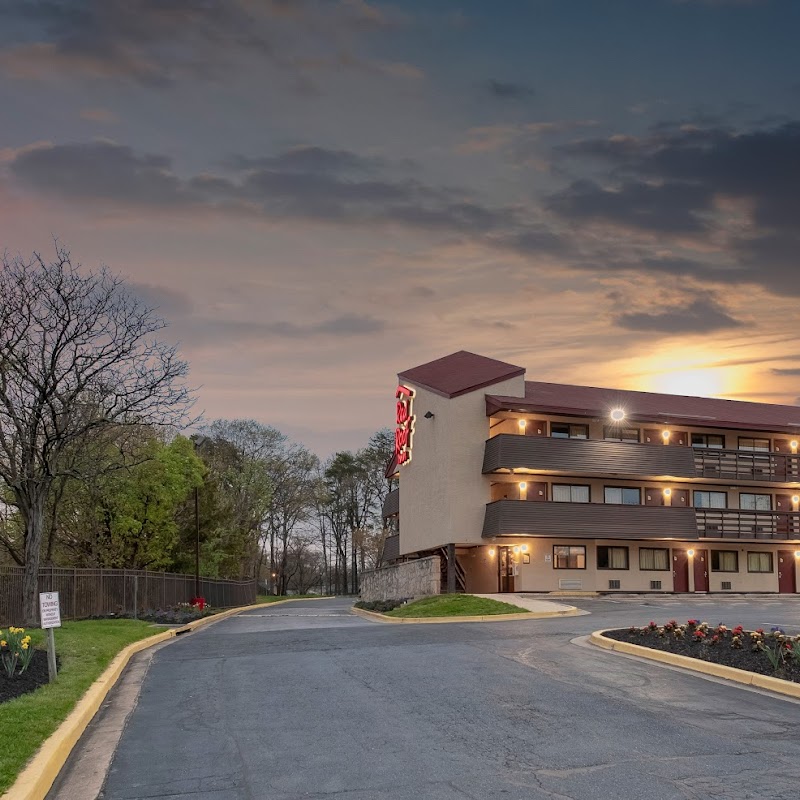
column 531, row 603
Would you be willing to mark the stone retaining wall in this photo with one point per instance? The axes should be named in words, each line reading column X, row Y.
column 419, row 578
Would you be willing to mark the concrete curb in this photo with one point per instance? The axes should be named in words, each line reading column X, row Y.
column 36, row 778
column 376, row 617
column 789, row 688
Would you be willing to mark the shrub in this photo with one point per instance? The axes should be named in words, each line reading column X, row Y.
column 381, row 606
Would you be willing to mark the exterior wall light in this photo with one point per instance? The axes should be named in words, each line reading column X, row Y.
column 797, row 553
column 522, row 425
column 793, row 445
column 795, row 500
column 524, row 548
column 491, row 552
column 667, row 492
column 617, row 414
column 516, row 549
column 665, row 436
column 690, row 553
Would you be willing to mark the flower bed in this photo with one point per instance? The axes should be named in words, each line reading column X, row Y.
column 765, row 652
column 35, row 675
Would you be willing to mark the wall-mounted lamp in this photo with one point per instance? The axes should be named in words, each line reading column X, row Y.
column 429, row 415
column 667, row 492
column 795, row 500
column 524, row 548
column 690, row 553
column 793, row 445
column 523, row 486
column 617, row 414
column 522, row 424
column 516, row 549
column 491, row 552
column 797, row 553
column 665, row 436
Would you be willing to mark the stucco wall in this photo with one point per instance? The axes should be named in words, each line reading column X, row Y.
column 443, row 494
column 418, row 578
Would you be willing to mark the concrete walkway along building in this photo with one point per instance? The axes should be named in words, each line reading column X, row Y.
column 537, row 487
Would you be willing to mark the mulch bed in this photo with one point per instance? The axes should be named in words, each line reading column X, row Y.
column 35, row 676
column 720, row 653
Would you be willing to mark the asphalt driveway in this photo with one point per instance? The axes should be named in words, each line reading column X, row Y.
column 306, row 700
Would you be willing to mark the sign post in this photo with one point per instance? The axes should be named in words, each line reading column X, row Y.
column 50, row 615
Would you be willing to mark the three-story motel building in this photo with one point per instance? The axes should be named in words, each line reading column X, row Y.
column 538, row 487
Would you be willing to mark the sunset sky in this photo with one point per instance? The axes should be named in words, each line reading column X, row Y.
column 320, row 194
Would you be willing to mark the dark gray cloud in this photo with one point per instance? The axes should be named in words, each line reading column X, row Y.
column 701, row 316
column 287, row 185
column 308, row 159
column 786, row 371
column 679, row 181
column 155, row 42
column 506, row 90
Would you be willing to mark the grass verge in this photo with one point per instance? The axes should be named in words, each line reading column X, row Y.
column 85, row 649
column 274, row 598
column 454, row 605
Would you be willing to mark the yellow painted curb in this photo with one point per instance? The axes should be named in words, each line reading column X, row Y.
column 778, row 685
column 374, row 615
column 35, row 780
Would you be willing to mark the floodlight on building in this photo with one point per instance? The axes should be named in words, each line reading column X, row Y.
column 617, row 414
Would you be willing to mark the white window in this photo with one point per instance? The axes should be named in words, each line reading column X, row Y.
column 623, row 495
column 755, row 502
column 653, row 558
column 710, row 500
column 759, row 562
column 563, row 493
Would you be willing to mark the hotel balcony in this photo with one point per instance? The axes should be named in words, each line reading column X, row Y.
column 606, row 521
column 597, row 457
column 391, row 504
column 723, row 523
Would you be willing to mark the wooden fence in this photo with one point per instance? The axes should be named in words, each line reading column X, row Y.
column 99, row 592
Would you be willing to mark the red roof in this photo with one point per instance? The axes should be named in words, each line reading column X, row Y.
column 460, row 373
column 669, row 409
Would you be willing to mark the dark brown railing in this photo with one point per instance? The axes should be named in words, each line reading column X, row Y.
column 99, row 592
column 746, row 465
column 727, row 524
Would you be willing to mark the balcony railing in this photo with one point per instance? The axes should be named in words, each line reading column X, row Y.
column 588, row 520
column 509, row 451
column 391, row 504
column 746, row 465
column 725, row 523
column 606, row 521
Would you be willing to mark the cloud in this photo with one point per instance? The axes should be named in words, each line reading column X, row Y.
column 504, row 90
column 313, row 184
column 101, row 115
column 701, row 316
column 786, row 371
column 156, row 43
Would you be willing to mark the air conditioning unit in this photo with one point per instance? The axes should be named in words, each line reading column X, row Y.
column 655, row 584
column 570, row 584
column 613, row 584
column 726, row 584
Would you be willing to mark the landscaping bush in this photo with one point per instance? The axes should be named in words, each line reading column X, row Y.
column 381, row 606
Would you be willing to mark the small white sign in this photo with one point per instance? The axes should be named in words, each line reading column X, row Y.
column 49, row 610
column 548, row 557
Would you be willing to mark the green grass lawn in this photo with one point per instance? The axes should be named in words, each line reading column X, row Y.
column 454, row 605
column 85, row 650
column 273, row 598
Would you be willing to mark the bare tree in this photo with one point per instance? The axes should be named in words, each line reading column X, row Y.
column 78, row 353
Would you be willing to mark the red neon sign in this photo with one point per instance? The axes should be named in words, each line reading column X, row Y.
column 404, row 431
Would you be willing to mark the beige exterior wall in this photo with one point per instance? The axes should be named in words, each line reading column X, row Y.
column 540, row 576
column 443, row 494
column 506, row 486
